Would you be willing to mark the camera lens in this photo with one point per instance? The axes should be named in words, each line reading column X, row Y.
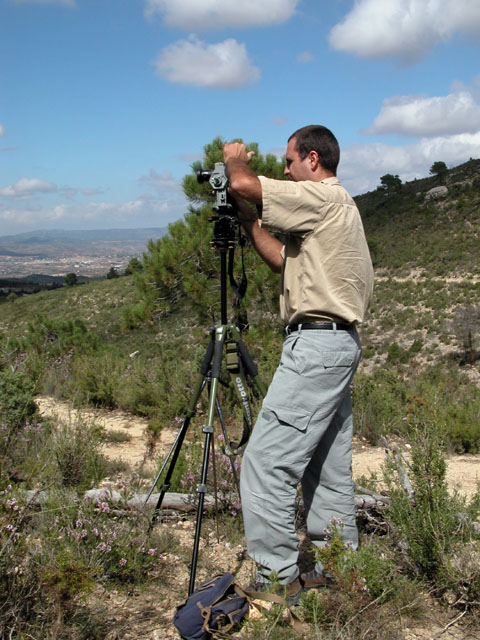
column 203, row 176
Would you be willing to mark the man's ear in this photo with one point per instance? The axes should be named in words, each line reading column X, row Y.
column 313, row 160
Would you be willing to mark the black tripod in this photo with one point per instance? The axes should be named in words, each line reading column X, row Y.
column 225, row 340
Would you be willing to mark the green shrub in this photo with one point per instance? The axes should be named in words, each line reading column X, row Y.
column 395, row 354
column 93, row 379
column 51, row 559
column 463, row 420
column 75, row 448
column 27, row 459
column 54, row 342
column 17, row 403
column 383, row 403
column 55, row 337
column 377, row 563
column 430, row 525
column 378, row 403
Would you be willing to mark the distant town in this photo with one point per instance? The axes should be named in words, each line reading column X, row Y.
column 81, row 265
column 89, row 254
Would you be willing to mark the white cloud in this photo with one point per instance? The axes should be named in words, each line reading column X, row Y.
column 156, row 209
column 92, row 191
column 161, row 181
column 404, row 29
column 27, row 187
column 305, row 56
column 63, row 3
column 362, row 165
column 2, row 130
column 210, row 15
column 423, row 116
column 221, row 66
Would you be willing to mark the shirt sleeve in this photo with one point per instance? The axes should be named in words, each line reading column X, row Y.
column 291, row 207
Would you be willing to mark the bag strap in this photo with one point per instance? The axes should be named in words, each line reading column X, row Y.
column 206, row 613
column 291, row 617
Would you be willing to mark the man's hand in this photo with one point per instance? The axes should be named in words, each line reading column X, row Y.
column 238, row 151
column 242, row 179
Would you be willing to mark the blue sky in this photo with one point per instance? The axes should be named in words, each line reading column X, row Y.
column 104, row 104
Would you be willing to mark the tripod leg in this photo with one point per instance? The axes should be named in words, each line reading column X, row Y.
column 227, row 450
column 175, row 450
column 208, row 431
column 202, row 490
column 177, row 445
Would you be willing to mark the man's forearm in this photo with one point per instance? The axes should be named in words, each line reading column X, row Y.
column 267, row 247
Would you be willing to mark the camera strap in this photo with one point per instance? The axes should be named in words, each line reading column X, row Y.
column 239, row 287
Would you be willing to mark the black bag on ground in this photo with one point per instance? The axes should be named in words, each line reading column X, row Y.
column 217, row 605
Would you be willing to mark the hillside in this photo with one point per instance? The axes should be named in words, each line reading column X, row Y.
column 415, row 229
column 425, row 251
column 425, row 308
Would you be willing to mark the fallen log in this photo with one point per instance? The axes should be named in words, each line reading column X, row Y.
column 184, row 502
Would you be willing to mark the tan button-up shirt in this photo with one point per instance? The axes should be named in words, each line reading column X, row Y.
column 327, row 271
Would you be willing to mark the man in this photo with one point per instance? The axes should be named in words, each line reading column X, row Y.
column 304, row 430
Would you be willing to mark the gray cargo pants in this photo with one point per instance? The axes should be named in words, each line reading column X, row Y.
column 303, row 434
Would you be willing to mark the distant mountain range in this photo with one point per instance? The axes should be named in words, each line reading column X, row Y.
column 60, row 243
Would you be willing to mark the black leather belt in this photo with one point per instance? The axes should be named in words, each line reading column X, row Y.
column 329, row 326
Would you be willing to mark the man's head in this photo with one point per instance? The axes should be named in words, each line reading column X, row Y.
column 308, row 147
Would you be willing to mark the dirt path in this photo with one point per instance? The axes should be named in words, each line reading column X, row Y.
column 463, row 471
column 132, row 451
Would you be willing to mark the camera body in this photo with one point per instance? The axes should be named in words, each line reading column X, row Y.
column 218, row 181
column 226, row 219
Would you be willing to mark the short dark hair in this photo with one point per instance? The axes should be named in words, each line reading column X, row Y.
column 314, row 137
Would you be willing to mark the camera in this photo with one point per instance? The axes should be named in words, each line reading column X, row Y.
column 226, row 219
column 218, row 181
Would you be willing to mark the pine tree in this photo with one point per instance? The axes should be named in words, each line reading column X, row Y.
column 183, row 265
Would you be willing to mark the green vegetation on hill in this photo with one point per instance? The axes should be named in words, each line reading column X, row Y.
column 409, row 231
column 424, row 315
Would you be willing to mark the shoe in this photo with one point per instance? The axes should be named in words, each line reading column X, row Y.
column 291, row 591
column 315, row 580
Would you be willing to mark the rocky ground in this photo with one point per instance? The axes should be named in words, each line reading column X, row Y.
column 147, row 613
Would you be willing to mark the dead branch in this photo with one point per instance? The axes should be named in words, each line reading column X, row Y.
column 401, row 463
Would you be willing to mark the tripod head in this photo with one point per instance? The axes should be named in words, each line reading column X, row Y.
column 226, row 219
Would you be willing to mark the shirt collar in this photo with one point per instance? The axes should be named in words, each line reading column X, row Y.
column 332, row 180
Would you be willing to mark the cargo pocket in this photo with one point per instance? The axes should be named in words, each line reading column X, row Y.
column 337, row 359
column 280, row 439
column 288, row 417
